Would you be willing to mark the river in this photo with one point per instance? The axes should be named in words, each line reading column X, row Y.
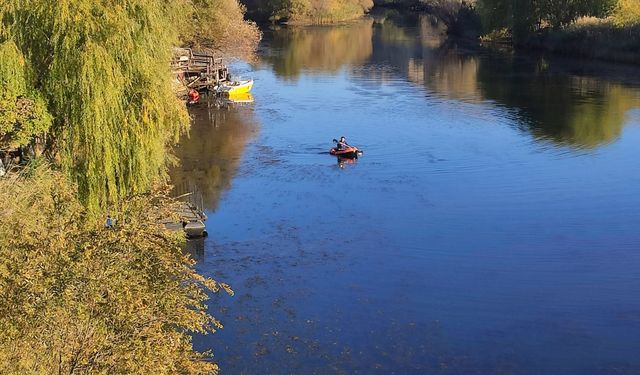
column 491, row 226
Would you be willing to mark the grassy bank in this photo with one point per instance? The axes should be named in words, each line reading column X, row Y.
column 595, row 39
column 596, row 29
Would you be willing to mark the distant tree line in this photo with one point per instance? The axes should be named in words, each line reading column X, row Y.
column 602, row 29
column 307, row 11
column 523, row 17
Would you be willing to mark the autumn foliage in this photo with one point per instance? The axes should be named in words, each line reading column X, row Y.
column 78, row 298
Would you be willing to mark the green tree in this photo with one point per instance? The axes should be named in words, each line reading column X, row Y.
column 102, row 67
column 524, row 16
column 519, row 16
column 560, row 13
column 495, row 14
column 23, row 112
column 75, row 297
column 309, row 11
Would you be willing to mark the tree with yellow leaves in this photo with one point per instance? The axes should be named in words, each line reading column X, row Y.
column 79, row 298
column 627, row 12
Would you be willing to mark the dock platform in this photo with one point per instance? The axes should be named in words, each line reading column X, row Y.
column 200, row 71
column 191, row 217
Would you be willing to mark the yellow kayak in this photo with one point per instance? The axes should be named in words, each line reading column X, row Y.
column 236, row 87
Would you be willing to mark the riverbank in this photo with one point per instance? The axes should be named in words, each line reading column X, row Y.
column 599, row 40
column 614, row 38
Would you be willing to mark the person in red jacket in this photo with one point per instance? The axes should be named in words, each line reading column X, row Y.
column 194, row 96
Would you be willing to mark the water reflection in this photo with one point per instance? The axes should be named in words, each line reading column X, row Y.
column 343, row 162
column 578, row 111
column 195, row 248
column 453, row 246
column 449, row 73
column 319, row 48
column 209, row 155
column 552, row 104
column 236, row 99
column 549, row 102
column 409, row 30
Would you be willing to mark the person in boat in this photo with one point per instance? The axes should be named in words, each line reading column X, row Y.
column 342, row 144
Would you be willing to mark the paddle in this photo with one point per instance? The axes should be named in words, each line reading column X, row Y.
column 336, row 141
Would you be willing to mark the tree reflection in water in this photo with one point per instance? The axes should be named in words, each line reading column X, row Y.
column 551, row 103
column 319, row 48
column 567, row 109
column 209, row 156
column 576, row 111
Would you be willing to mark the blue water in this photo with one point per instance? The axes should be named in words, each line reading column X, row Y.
column 491, row 226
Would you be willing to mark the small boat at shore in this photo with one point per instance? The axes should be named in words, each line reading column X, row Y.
column 236, row 87
column 348, row 152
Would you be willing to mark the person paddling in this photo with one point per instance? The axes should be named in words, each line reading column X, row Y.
column 342, row 143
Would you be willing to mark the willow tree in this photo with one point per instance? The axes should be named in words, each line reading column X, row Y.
column 23, row 112
column 102, row 67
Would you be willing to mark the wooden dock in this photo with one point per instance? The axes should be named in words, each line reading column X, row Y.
column 198, row 70
column 191, row 216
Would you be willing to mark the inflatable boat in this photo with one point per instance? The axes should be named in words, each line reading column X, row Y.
column 348, row 152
